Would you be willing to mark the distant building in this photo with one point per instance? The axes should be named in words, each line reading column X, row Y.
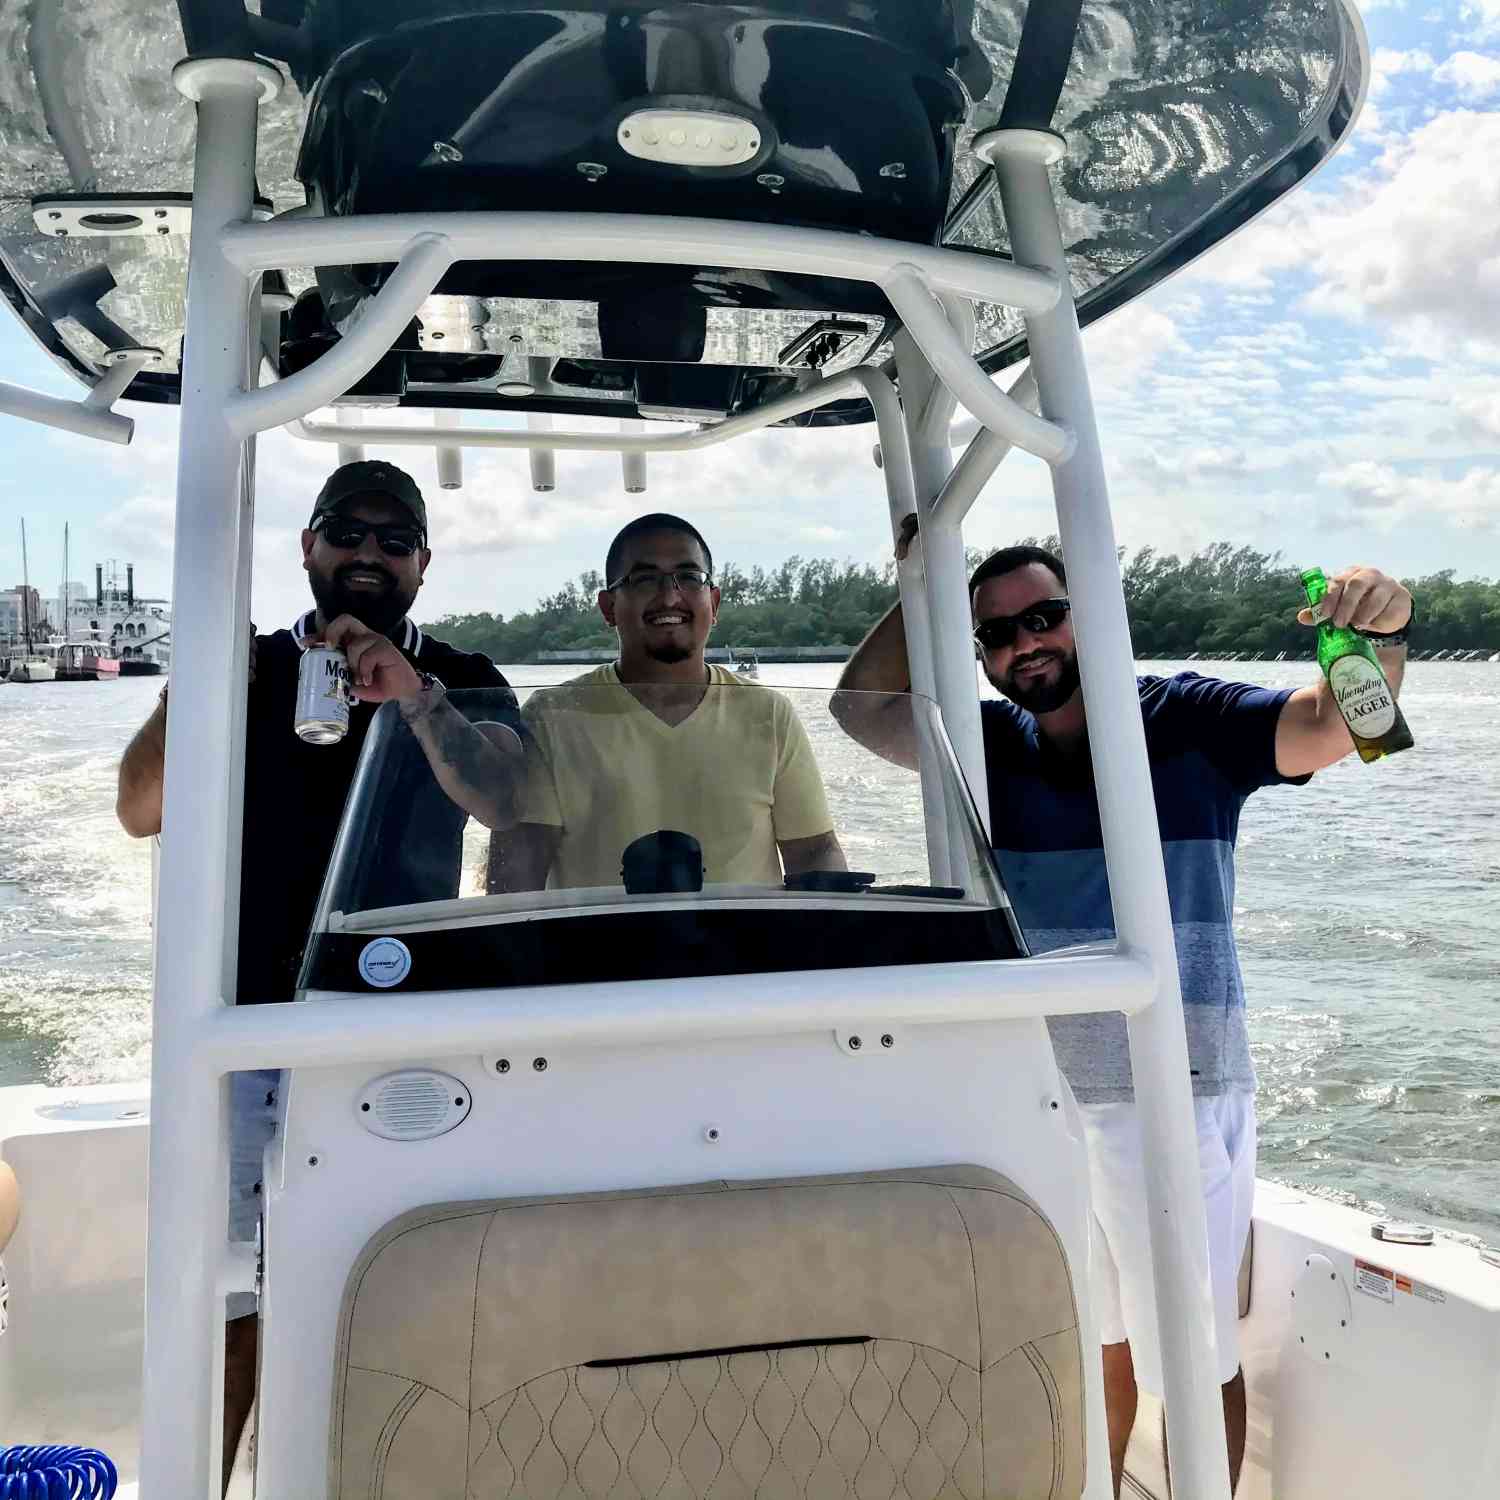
column 16, row 609
column 77, row 592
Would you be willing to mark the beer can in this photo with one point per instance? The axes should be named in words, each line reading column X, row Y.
column 322, row 716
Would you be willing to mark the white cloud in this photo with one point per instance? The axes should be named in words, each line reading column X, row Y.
column 1389, row 63
column 1407, row 241
column 1482, row 15
column 1384, row 495
column 1475, row 75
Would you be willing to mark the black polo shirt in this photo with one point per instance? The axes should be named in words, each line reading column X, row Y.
column 294, row 798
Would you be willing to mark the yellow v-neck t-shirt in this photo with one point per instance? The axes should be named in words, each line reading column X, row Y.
column 737, row 774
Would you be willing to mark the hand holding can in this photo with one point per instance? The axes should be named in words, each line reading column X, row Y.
column 322, row 716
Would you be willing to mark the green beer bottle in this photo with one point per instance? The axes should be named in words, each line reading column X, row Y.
column 1359, row 687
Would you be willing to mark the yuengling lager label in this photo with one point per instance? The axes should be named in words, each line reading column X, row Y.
column 1359, row 689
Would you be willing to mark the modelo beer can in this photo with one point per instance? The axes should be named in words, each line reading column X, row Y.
column 322, row 696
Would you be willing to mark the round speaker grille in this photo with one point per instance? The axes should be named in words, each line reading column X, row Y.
column 414, row 1104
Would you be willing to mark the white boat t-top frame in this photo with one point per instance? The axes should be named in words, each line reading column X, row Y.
column 918, row 365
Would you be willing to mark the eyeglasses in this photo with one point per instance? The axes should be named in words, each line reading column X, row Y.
column 1001, row 630
column 394, row 539
column 649, row 581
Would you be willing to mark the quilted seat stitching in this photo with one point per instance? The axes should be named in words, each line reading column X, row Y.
column 392, row 1425
column 398, row 1375
column 941, row 1368
column 1054, row 1403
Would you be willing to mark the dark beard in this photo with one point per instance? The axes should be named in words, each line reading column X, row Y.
column 382, row 612
column 1044, row 697
column 669, row 655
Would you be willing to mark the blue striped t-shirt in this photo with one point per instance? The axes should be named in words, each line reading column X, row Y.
column 1210, row 744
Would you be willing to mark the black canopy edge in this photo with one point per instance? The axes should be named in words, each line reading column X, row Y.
column 1321, row 137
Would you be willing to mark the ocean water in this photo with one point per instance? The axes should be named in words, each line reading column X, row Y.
column 1367, row 908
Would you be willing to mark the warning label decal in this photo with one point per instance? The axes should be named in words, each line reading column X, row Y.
column 1374, row 1281
column 1420, row 1289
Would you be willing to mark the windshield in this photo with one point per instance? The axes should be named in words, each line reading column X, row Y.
column 747, row 808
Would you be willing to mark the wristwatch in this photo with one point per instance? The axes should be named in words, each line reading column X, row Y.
column 428, row 696
column 1391, row 637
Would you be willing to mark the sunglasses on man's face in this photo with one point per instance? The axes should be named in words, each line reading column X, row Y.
column 1000, row 631
column 394, row 539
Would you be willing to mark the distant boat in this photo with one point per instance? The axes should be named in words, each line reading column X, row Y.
column 86, row 661
column 746, row 663
column 81, row 661
column 30, row 667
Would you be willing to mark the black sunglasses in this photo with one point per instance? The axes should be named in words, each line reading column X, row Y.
column 1001, row 630
column 394, row 539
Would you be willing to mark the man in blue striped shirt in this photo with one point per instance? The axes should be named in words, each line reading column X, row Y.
column 1210, row 744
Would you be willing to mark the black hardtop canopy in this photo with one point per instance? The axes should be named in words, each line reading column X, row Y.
column 1182, row 121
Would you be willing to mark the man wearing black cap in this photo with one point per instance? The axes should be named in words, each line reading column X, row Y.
column 365, row 552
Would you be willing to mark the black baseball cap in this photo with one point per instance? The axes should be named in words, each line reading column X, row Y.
column 370, row 477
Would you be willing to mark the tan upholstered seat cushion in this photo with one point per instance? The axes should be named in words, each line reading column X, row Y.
column 890, row 1335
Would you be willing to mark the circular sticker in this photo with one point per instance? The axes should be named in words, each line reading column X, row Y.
column 384, row 962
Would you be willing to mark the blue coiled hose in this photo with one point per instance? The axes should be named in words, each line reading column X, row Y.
column 56, row 1473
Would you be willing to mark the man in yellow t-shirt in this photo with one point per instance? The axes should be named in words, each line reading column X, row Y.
column 659, row 740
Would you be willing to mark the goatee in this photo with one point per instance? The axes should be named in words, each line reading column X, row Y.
column 381, row 611
column 669, row 655
column 1042, row 697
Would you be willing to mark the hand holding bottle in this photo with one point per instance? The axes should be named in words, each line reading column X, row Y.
column 1361, row 598
column 1350, row 609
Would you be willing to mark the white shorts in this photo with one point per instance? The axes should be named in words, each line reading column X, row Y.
column 1120, row 1251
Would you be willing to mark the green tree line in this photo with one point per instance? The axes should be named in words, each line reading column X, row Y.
column 1219, row 600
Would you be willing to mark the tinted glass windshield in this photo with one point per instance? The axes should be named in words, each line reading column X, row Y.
column 596, row 797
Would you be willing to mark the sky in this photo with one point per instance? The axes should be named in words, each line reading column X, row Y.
column 1325, row 385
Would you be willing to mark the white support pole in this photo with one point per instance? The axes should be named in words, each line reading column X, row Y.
column 82, row 417
column 927, row 324
column 325, row 1030
column 650, row 239
column 901, row 493
column 981, row 458
column 420, row 267
column 819, row 393
column 199, row 873
column 947, row 577
column 350, row 452
column 1137, row 880
column 124, row 366
column 450, row 457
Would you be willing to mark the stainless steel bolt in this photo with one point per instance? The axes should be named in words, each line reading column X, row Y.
column 855, row 1044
